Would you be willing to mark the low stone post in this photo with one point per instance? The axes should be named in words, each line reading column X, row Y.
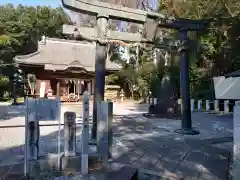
column 154, row 101
column 122, row 95
column 192, row 105
column 179, row 101
column 226, row 106
column 216, row 107
column 69, row 133
column 150, row 101
column 207, row 105
column 149, row 98
column 199, row 105
column 104, row 130
column 85, row 134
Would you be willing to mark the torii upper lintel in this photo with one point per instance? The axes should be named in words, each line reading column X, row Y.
column 94, row 7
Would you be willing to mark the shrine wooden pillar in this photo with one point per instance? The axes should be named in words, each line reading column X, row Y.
column 93, row 85
column 78, row 88
column 58, row 87
column 74, row 87
column 90, row 87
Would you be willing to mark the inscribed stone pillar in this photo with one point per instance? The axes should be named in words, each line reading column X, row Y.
column 85, row 134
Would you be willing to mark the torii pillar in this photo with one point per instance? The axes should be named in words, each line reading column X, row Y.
column 183, row 26
column 101, row 56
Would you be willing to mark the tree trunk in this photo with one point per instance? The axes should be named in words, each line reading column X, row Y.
column 167, row 105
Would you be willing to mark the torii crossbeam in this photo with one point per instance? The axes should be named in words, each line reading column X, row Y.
column 150, row 22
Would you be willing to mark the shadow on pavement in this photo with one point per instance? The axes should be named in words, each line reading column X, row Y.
column 9, row 111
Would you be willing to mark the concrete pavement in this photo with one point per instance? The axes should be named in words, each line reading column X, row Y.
column 148, row 144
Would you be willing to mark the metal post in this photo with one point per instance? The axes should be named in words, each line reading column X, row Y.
column 104, row 129
column 69, row 133
column 101, row 56
column 85, row 134
column 184, row 84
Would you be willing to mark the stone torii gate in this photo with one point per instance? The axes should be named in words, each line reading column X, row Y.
column 150, row 23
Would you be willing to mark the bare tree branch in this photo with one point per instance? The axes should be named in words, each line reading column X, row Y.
column 227, row 8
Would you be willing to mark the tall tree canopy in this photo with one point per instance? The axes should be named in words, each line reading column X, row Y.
column 213, row 52
column 21, row 28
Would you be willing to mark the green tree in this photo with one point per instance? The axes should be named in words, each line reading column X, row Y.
column 21, row 27
column 220, row 54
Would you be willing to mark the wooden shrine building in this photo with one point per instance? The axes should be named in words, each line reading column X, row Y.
column 65, row 67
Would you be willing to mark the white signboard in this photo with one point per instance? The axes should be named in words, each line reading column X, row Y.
column 43, row 109
column 226, row 88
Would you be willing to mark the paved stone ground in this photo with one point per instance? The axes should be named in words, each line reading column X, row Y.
column 148, row 144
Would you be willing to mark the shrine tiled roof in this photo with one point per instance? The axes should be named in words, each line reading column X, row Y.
column 60, row 54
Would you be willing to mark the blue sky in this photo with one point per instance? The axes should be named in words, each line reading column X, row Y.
column 52, row 3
